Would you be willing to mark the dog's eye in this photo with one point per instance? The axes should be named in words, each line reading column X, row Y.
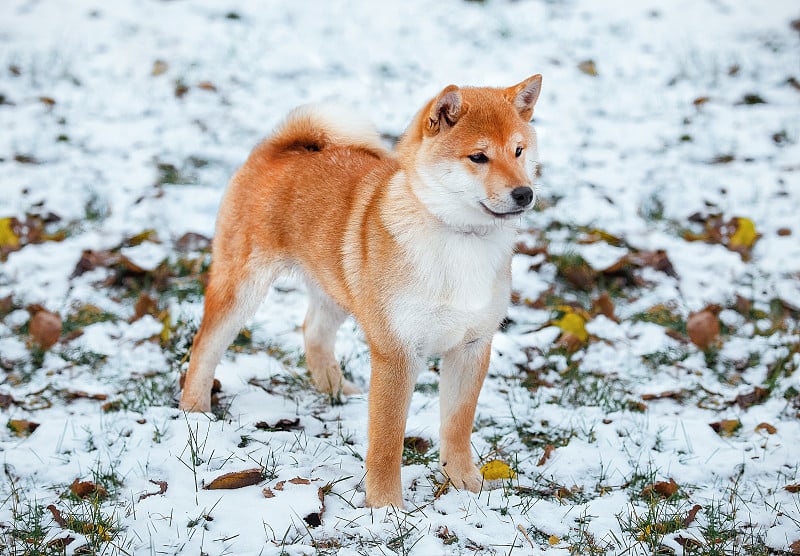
column 518, row 153
column 479, row 158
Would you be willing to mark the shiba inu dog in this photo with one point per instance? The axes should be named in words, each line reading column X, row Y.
column 415, row 243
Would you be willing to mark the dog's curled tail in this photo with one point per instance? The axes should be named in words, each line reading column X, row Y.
column 314, row 127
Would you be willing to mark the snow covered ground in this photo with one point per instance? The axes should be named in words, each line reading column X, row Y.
column 660, row 417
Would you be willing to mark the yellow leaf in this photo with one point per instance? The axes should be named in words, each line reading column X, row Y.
column 553, row 540
column 166, row 329
column 574, row 324
column 497, row 469
column 7, row 236
column 745, row 235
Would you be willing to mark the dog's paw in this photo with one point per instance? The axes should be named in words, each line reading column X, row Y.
column 195, row 404
column 350, row 389
column 384, row 499
column 465, row 476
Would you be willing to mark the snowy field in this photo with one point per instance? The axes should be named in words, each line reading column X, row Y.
column 644, row 391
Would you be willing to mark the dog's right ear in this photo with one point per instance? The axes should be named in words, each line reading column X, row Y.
column 445, row 110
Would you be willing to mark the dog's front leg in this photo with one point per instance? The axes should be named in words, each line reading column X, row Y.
column 391, row 386
column 463, row 370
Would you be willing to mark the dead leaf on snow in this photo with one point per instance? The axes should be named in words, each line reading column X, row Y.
column 162, row 488
column 794, row 489
column 548, row 451
column 749, row 399
column 22, row 427
column 45, row 328
column 159, row 67
column 237, row 479
column 280, row 425
column 416, row 444
column 588, row 67
column 703, row 327
column 726, row 427
column 691, row 516
column 664, row 489
column 146, row 304
column 57, row 517
column 84, row 489
column 795, row 547
column 604, row 305
column 766, row 427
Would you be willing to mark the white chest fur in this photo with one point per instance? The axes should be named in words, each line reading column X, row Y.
column 456, row 290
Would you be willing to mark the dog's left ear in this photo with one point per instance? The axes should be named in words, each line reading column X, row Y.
column 524, row 96
column 445, row 110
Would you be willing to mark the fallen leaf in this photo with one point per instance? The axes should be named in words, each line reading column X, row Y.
column 159, row 67
column 497, row 469
column 749, row 399
column 588, row 67
column 548, row 451
column 207, row 86
column 84, row 489
column 162, row 488
column 281, row 425
column 769, row 429
column 795, row 547
column 22, row 427
column 726, row 427
column 703, row 327
column 603, row 305
column 61, row 543
column 553, row 540
column 268, row 493
column 676, row 395
column 8, row 237
column 783, row 232
column 794, row 489
column 416, row 444
column 688, row 542
column 237, row 479
column 691, row 515
column 664, row 489
column 146, row 304
column 742, row 236
column 45, row 328
column 57, row 517
column 296, row 481
column 699, row 101
column 574, row 324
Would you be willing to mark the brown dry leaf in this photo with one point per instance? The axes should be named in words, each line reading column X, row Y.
column 783, row 232
column 22, row 427
column 57, row 517
column 237, row 479
column 84, row 489
column 295, row 481
column 159, row 67
column 726, row 427
column 416, row 444
column 588, row 67
column 146, row 304
column 191, row 241
column 207, row 86
column 61, row 543
column 73, row 395
column 281, row 425
column 794, row 489
column 676, row 395
column 268, row 493
column 45, row 328
column 604, row 305
column 703, row 328
column 749, row 399
column 769, row 429
column 162, row 488
column 699, row 101
column 664, row 489
column 691, row 516
column 548, row 451
column 795, row 547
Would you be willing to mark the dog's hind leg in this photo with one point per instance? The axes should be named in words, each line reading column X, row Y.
column 323, row 319
column 232, row 298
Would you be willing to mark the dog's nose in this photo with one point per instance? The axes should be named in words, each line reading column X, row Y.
column 522, row 196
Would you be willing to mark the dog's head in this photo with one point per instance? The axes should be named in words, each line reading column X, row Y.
column 474, row 151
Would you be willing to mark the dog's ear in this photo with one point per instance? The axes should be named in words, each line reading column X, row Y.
column 445, row 111
column 524, row 96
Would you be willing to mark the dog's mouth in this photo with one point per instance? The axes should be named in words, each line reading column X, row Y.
column 508, row 214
